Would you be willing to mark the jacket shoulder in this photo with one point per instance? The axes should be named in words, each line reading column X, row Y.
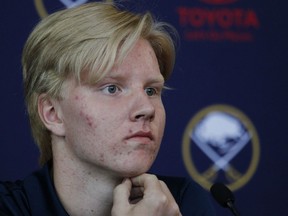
column 176, row 185
column 191, row 198
column 13, row 199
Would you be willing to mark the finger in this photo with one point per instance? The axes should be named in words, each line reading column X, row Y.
column 143, row 179
column 174, row 208
column 121, row 194
column 166, row 190
column 152, row 189
column 136, row 193
column 158, row 191
column 147, row 181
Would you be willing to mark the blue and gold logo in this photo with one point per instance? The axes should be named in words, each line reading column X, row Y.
column 44, row 8
column 220, row 143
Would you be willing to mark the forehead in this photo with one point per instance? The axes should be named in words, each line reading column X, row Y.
column 140, row 58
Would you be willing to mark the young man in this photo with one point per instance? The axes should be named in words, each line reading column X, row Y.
column 93, row 78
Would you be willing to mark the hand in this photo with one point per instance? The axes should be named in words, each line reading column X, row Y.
column 144, row 195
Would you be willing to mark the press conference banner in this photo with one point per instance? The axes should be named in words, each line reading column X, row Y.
column 227, row 110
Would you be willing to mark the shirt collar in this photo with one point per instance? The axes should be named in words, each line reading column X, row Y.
column 41, row 194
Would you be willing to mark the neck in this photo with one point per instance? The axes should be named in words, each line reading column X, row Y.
column 82, row 189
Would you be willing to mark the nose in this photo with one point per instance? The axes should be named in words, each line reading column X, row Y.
column 142, row 108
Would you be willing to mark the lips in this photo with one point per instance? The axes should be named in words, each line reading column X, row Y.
column 141, row 136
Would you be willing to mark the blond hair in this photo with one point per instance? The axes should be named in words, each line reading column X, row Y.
column 90, row 38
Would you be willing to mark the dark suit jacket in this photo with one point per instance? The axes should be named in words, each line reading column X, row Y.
column 36, row 195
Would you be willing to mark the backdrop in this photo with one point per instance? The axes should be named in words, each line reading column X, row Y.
column 226, row 115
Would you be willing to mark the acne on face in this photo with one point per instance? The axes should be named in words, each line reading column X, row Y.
column 89, row 119
column 102, row 159
column 98, row 122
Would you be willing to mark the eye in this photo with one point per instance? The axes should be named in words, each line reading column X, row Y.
column 111, row 89
column 151, row 91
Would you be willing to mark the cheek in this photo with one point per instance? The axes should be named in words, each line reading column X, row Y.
column 161, row 116
column 80, row 123
column 88, row 119
column 82, row 112
column 159, row 124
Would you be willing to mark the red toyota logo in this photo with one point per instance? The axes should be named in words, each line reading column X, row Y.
column 218, row 2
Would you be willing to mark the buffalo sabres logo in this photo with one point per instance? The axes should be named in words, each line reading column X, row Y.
column 221, row 144
column 43, row 11
column 43, row 8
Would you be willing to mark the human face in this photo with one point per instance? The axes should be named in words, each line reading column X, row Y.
column 117, row 124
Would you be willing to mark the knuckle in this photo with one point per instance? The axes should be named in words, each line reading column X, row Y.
column 161, row 201
column 151, row 177
column 118, row 211
column 117, row 189
column 175, row 208
column 162, row 183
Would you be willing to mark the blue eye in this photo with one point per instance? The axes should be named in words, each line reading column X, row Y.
column 150, row 91
column 111, row 89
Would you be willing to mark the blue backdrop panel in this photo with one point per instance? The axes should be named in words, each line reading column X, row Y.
column 227, row 112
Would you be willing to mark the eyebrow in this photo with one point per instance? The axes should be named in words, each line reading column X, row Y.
column 121, row 77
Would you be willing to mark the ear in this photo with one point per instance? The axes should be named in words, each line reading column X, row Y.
column 50, row 114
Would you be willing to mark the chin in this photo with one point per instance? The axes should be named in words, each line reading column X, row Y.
column 136, row 169
column 135, row 165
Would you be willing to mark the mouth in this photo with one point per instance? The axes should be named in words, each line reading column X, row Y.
column 141, row 137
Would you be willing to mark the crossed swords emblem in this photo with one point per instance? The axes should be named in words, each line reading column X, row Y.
column 71, row 3
column 222, row 162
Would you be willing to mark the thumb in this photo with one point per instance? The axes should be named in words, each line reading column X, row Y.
column 121, row 196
